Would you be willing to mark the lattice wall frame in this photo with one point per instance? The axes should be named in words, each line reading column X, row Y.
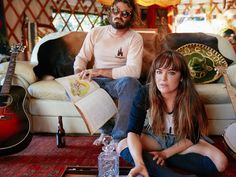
column 20, row 13
column 23, row 14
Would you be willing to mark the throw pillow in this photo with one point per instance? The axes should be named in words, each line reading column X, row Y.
column 202, row 61
column 218, row 43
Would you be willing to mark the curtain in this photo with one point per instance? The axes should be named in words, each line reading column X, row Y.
column 161, row 3
column 105, row 2
column 4, row 46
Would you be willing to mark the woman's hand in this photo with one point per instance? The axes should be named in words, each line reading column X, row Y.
column 159, row 157
column 138, row 170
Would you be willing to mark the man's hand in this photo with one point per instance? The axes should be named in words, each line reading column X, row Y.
column 139, row 170
column 159, row 157
column 91, row 73
column 85, row 74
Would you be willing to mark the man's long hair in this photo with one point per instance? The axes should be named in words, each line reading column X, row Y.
column 188, row 108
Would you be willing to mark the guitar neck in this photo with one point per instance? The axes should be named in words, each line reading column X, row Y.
column 10, row 71
column 230, row 91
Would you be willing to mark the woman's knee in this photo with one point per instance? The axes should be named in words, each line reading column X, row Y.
column 222, row 163
column 216, row 155
column 121, row 145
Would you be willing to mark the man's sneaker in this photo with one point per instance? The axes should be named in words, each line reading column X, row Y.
column 99, row 140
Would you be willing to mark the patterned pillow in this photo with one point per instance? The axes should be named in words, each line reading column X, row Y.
column 202, row 61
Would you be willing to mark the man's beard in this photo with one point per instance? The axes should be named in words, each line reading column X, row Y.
column 118, row 25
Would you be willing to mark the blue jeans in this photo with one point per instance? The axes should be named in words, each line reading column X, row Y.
column 192, row 162
column 123, row 90
column 165, row 141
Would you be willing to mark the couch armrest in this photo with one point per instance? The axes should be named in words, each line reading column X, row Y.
column 231, row 71
column 24, row 74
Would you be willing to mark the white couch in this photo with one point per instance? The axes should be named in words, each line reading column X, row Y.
column 47, row 99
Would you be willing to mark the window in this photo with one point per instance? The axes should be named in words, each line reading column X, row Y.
column 192, row 23
column 65, row 21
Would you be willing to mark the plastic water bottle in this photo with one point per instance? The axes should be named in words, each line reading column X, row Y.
column 108, row 160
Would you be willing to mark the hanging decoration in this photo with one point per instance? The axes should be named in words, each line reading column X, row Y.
column 161, row 3
column 105, row 2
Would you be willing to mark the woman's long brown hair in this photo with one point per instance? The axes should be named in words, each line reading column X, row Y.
column 187, row 107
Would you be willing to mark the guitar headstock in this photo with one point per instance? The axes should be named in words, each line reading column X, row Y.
column 16, row 48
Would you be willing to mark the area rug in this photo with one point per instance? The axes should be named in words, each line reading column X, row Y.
column 42, row 158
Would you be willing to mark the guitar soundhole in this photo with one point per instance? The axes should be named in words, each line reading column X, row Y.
column 5, row 100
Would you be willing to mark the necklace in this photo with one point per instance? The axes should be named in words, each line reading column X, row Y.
column 169, row 122
column 170, row 112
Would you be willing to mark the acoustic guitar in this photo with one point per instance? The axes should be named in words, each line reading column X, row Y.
column 229, row 87
column 230, row 132
column 14, row 123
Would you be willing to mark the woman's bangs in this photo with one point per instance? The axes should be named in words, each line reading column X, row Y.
column 166, row 61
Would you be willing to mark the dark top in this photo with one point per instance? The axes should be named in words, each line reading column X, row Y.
column 139, row 111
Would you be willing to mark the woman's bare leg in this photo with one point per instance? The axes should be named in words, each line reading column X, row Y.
column 148, row 144
column 206, row 149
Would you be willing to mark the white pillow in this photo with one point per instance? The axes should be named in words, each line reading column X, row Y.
column 48, row 89
column 23, row 69
column 231, row 71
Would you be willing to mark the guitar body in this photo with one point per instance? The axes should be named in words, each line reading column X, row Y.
column 230, row 140
column 230, row 131
column 14, row 124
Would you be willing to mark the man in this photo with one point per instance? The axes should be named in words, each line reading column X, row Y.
column 117, row 52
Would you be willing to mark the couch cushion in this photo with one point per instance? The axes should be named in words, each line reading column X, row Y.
column 152, row 48
column 217, row 42
column 44, row 107
column 202, row 61
column 23, row 69
column 47, row 89
column 214, row 93
column 231, row 71
column 56, row 52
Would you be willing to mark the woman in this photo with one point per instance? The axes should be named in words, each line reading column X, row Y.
column 176, row 122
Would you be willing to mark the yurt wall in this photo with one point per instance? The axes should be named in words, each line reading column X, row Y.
column 29, row 20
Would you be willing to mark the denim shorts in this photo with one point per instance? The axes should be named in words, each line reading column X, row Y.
column 165, row 141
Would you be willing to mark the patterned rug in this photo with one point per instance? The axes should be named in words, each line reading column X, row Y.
column 43, row 159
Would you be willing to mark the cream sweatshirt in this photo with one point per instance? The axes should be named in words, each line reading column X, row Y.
column 120, row 52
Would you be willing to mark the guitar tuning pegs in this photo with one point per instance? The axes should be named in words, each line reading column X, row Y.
column 16, row 48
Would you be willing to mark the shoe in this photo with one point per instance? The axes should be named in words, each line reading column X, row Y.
column 99, row 140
